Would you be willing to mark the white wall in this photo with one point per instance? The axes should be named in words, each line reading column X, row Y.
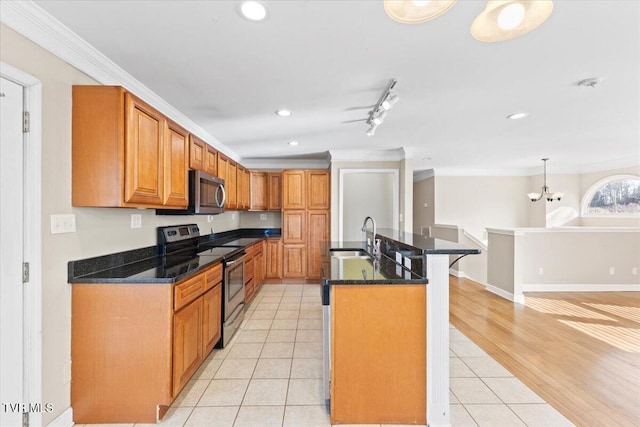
column 99, row 231
column 252, row 220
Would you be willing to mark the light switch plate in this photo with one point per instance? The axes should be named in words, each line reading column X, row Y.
column 65, row 223
column 263, row 217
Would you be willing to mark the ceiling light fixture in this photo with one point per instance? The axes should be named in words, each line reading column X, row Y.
column 416, row 11
column 379, row 112
column 545, row 194
column 253, row 11
column 283, row 113
column 293, row 143
column 516, row 116
column 505, row 20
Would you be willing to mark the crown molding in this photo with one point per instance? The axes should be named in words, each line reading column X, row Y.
column 621, row 163
column 422, row 175
column 279, row 164
column 393, row 155
column 34, row 23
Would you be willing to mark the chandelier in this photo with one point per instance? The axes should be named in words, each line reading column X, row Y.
column 545, row 193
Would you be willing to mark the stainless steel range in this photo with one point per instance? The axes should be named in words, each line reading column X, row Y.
column 184, row 240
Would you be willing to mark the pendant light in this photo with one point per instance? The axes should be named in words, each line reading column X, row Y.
column 545, row 193
column 505, row 20
column 416, row 11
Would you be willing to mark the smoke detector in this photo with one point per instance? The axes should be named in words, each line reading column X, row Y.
column 591, row 82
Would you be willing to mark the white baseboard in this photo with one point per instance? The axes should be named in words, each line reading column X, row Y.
column 63, row 420
column 457, row 273
column 519, row 299
column 595, row 287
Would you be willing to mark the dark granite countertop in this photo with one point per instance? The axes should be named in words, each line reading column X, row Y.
column 151, row 265
column 421, row 245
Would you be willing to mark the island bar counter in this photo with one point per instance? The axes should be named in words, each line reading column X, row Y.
column 394, row 313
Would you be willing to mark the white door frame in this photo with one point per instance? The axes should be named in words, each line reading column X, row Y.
column 32, row 236
column 395, row 202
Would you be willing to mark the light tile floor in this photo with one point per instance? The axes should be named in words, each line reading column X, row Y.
column 271, row 375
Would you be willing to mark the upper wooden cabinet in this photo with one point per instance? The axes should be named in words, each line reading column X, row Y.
column 119, row 145
column 197, row 153
column 293, row 189
column 211, row 161
column 223, row 167
column 259, row 191
column 242, row 188
column 176, row 182
column 274, row 200
column 231, row 185
column 246, row 189
column 318, row 192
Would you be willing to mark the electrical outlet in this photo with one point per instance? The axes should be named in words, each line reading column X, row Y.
column 263, row 217
column 63, row 224
column 634, row 271
column 540, row 271
column 612, row 271
column 209, row 218
column 136, row 221
column 426, row 205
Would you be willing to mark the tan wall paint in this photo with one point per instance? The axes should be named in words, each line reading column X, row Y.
column 99, row 231
column 501, row 262
column 252, row 220
column 475, row 203
column 423, row 192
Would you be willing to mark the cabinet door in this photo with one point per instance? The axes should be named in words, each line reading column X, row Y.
column 223, row 168
column 211, row 161
column 232, row 185
column 258, row 191
column 258, row 270
column 144, row 150
column 187, row 343
column 293, row 189
column 212, row 318
column 294, row 261
column 317, row 236
column 318, row 192
column 274, row 192
column 197, row 153
column 294, row 227
column 176, row 161
column 246, row 189
column 273, row 262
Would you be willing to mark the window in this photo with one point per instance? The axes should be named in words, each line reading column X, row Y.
column 617, row 195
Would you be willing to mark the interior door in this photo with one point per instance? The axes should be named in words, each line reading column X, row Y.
column 11, row 252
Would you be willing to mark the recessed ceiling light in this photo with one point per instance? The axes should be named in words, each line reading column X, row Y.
column 283, row 113
column 516, row 116
column 293, row 143
column 253, row 10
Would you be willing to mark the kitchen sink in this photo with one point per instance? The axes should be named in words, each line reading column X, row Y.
column 349, row 254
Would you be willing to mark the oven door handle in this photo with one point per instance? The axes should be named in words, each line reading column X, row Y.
column 233, row 261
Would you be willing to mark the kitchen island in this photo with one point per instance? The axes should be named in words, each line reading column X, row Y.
column 386, row 329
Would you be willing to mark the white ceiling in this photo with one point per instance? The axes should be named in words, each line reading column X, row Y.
column 330, row 61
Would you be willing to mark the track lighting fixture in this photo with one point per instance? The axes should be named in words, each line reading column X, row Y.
column 379, row 112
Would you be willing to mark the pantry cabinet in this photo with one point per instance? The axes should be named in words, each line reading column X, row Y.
column 124, row 152
column 293, row 189
column 273, row 259
column 318, row 191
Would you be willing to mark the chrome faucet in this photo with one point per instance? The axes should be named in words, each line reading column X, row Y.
column 373, row 244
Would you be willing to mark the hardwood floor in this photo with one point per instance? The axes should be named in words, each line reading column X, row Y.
column 579, row 351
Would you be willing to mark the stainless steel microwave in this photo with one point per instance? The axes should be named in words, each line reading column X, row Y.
column 206, row 196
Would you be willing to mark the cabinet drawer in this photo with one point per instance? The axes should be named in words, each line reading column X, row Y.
column 188, row 290
column 214, row 275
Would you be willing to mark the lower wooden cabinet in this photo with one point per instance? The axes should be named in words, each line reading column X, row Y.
column 294, row 261
column 273, row 259
column 134, row 346
column 187, row 343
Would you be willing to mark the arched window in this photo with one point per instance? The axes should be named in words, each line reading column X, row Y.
column 617, row 195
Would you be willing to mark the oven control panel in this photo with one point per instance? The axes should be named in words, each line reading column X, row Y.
column 177, row 233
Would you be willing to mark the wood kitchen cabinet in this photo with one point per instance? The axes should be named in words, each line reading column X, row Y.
column 134, row 346
column 187, row 343
column 318, row 224
column 259, row 191
column 211, row 161
column 120, row 146
column 243, row 184
column 197, row 153
column 223, row 168
column 293, row 189
column 246, row 189
column 318, row 191
column 294, row 261
column 274, row 198
column 231, row 185
column 294, row 227
column 273, row 259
